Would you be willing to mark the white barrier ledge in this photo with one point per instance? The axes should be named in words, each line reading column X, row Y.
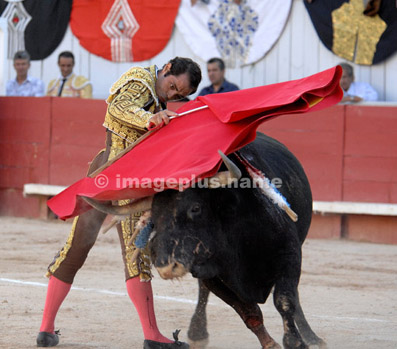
column 42, row 189
column 364, row 208
column 322, row 207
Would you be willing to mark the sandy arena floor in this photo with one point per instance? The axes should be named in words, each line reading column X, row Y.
column 348, row 292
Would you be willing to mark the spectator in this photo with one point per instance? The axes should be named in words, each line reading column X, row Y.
column 69, row 84
column 24, row 85
column 216, row 74
column 355, row 91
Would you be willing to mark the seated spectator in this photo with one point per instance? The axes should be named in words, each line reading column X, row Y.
column 354, row 91
column 24, row 85
column 216, row 74
column 69, row 84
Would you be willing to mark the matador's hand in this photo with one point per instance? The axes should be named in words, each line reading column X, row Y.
column 160, row 117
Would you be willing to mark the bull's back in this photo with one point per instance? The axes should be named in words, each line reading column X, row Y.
column 276, row 161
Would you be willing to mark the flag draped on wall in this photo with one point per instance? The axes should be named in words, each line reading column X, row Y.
column 241, row 32
column 35, row 26
column 124, row 30
column 361, row 34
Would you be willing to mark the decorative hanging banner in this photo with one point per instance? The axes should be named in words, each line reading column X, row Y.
column 17, row 20
column 124, row 30
column 361, row 34
column 35, row 26
column 240, row 32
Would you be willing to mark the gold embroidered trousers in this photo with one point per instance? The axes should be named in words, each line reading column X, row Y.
column 86, row 227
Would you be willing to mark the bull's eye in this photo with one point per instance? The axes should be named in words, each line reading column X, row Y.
column 194, row 210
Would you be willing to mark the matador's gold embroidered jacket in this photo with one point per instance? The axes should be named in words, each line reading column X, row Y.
column 131, row 103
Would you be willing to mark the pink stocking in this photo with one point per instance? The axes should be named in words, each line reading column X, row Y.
column 57, row 291
column 142, row 296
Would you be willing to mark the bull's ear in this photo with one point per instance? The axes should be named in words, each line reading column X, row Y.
column 228, row 203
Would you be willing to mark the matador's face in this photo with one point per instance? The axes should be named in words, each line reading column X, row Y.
column 171, row 87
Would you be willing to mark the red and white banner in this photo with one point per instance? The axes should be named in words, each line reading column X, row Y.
column 124, row 30
column 241, row 32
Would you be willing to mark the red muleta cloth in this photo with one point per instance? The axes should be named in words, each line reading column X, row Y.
column 176, row 156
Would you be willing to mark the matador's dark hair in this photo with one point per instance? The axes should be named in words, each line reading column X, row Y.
column 181, row 65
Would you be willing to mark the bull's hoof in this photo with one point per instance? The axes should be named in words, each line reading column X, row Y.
column 199, row 344
column 147, row 344
column 293, row 341
column 46, row 339
column 272, row 345
column 320, row 344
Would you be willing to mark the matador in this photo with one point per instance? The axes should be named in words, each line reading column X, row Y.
column 136, row 101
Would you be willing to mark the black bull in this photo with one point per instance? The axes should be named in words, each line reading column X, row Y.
column 240, row 244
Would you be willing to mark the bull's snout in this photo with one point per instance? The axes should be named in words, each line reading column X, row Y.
column 172, row 270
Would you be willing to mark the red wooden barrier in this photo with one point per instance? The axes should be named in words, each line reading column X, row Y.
column 77, row 136
column 316, row 139
column 45, row 140
column 25, row 129
column 349, row 154
column 370, row 155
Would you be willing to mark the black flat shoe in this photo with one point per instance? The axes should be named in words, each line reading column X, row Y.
column 148, row 344
column 46, row 339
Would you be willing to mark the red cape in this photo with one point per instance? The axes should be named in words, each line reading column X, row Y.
column 179, row 154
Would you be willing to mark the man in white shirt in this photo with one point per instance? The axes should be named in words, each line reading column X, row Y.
column 24, row 85
column 355, row 91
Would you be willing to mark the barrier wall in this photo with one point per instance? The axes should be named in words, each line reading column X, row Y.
column 317, row 140
column 349, row 154
column 45, row 140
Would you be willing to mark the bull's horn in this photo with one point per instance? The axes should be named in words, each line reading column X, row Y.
column 140, row 205
column 231, row 166
column 225, row 177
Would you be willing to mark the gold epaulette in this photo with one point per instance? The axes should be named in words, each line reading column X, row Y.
column 51, row 85
column 79, row 82
column 138, row 74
